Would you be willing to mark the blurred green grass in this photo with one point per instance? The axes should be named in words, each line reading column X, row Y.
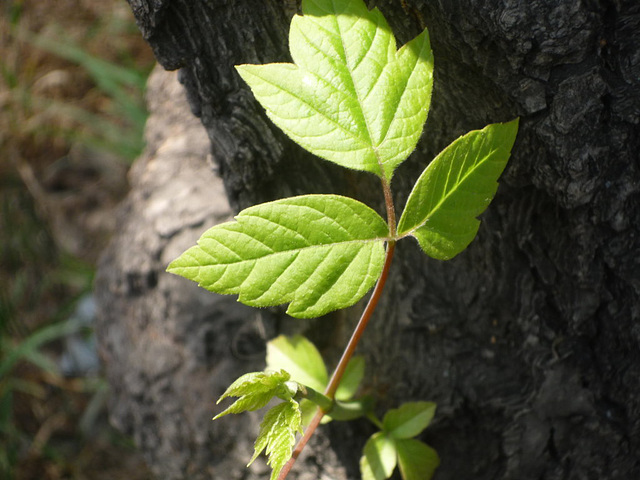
column 120, row 128
column 72, row 79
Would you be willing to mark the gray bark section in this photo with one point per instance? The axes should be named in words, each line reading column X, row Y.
column 528, row 341
column 170, row 348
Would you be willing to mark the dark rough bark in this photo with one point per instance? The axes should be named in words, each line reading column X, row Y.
column 529, row 341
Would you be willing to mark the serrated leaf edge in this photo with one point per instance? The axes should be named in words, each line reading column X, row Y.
column 433, row 164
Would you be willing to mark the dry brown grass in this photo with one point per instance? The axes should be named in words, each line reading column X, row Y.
column 58, row 188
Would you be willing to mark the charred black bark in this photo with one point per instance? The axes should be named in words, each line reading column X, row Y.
column 529, row 341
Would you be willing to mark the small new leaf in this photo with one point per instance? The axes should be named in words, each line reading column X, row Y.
column 300, row 358
column 409, row 419
column 455, row 188
column 255, row 390
column 416, row 460
column 319, row 252
column 379, row 457
column 349, row 97
column 278, row 435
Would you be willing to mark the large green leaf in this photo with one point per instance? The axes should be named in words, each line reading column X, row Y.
column 278, row 435
column 319, row 252
column 350, row 97
column 455, row 188
column 416, row 460
column 379, row 457
column 408, row 420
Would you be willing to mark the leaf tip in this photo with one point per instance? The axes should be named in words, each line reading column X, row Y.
column 221, row 414
column 171, row 268
column 511, row 128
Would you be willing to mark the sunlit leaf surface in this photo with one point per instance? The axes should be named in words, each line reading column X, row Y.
column 349, row 97
column 319, row 252
column 455, row 188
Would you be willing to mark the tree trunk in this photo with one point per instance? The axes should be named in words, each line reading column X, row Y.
column 528, row 341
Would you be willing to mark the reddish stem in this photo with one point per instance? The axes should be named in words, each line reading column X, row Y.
column 391, row 210
column 344, row 360
column 357, row 333
column 362, row 324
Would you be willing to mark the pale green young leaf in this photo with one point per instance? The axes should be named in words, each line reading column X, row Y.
column 248, row 403
column 319, row 252
column 416, row 460
column 255, row 382
column 409, row 419
column 455, row 188
column 379, row 457
column 349, row 97
column 351, row 379
column 300, row 358
column 278, row 435
column 255, row 390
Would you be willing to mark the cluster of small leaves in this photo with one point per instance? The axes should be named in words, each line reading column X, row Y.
column 306, row 370
column 278, row 429
column 395, row 445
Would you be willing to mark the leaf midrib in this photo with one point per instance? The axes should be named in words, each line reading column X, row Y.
column 373, row 148
column 296, row 250
column 348, row 133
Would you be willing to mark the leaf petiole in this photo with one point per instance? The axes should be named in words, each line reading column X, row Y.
column 375, row 420
column 325, row 403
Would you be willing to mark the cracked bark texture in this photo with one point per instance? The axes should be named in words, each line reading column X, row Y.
column 529, row 341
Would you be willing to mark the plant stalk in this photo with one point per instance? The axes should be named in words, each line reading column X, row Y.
column 344, row 360
column 357, row 333
column 362, row 324
column 391, row 209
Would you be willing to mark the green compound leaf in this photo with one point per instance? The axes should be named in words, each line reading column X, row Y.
column 416, row 460
column 349, row 97
column 278, row 435
column 319, row 252
column 300, row 358
column 455, row 188
column 255, row 390
column 409, row 419
column 379, row 457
